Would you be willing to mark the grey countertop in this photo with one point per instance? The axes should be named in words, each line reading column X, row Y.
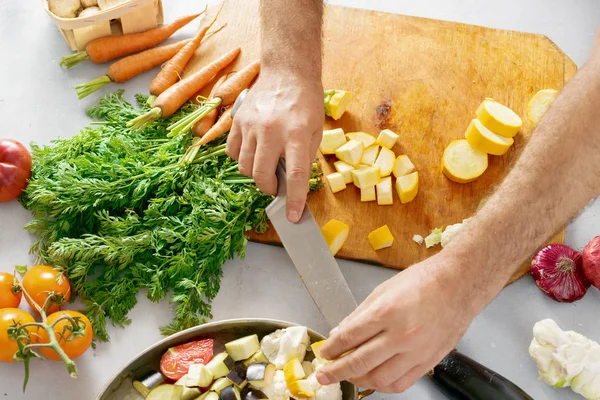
column 37, row 103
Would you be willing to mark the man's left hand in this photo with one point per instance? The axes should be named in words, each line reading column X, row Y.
column 403, row 329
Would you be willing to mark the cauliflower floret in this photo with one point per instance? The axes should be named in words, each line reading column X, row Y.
column 278, row 389
column 329, row 392
column 451, row 231
column 283, row 345
column 317, row 364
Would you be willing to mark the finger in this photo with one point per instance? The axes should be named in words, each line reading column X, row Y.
column 357, row 363
column 246, row 161
column 314, row 145
column 265, row 165
column 297, row 171
column 406, row 381
column 234, row 140
column 386, row 373
column 360, row 327
column 355, row 314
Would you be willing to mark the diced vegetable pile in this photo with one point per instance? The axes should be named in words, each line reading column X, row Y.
column 276, row 368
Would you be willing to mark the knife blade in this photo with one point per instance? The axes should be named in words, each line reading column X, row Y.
column 311, row 256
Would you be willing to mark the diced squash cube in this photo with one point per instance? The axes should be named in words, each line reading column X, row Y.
column 381, row 238
column 332, row 140
column 336, row 103
column 385, row 161
column 403, row 166
column 350, row 152
column 293, row 371
column 362, row 166
column 370, row 155
column 316, row 348
column 366, row 139
column 335, row 233
column 364, row 177
column 387, row 138
column 336, row 182
column 367, row 194
column 385, row 195
column 407, row 187
column 344, row 169
column 301, row 389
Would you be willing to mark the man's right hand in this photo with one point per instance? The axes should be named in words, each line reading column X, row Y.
column 282, row 116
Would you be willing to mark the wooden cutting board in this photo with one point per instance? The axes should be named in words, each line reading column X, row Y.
column 430, row 76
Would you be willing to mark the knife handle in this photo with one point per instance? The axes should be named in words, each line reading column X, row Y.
column 459, row 377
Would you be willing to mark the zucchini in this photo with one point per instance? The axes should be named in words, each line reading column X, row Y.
column 461, row 378
column 260, row 375
column 243, row 348
column 145, row 384
column 221, row 384
column 230, row 393
column 165, row 392
column 258, row 357
column 220, row 365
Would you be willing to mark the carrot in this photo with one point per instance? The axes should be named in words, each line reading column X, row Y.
column 222, row 126
column 225, row 95
column 169, row 101
column 173, row 70
column 202, row 126
column 108, row 48
column 129, row 67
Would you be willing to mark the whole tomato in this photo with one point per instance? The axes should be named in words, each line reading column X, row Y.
column 10, row 291
column 15, row 169
column 73, row 345
column 10, row 317
column 42, row 280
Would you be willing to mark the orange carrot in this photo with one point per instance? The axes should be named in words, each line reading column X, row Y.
column 225, row 95
column 173, row 70
column 131, row 66
column 222, row 126
column 169, row 101
column 202, row 126
column 231, row 89
column 108, row 48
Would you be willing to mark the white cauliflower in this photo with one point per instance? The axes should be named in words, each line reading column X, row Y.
column 283, row 345
column 329, row 392
column 278, row 389
column 566, row 358
column 451, row 231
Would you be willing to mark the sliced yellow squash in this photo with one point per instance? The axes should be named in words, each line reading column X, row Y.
column 403, row 166
column 481, row 138
column 462, row 163
column 336, row 182
column 332, row 140
column 336, row 103
column 350, row 152
column 498, row 118
column 387, row 138
column 540, row 104
column 407, row 187
column 385, row 195
column 335, row 233
column 381, row 238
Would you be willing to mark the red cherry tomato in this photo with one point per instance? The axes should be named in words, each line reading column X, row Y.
column 176, row 362
column 15, row 169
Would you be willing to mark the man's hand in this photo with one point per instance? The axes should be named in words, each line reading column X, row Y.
column 282, row 116
column 401, row 331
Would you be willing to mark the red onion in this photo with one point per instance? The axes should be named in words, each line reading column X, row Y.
column 557, row 270
column 591, row 261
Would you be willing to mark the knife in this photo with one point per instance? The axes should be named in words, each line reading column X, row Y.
column 457, row 376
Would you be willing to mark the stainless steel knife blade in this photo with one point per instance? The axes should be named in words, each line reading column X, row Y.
column 311, row 256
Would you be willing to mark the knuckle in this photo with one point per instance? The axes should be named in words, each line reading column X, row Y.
column 245, row 169
column 297, row 173
column 380, row 381
column 400, row 386
column 345, row 338
column 261, row 177
column 358, row 365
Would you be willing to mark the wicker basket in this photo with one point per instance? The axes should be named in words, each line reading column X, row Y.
column 130, row 17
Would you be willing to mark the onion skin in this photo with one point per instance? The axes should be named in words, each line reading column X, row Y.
column 15, row 169
column 558, row 272
column 591, row 261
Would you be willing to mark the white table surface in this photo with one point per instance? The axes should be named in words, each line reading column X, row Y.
column 37, row 103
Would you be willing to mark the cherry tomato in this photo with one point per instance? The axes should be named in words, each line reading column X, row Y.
column 74, row 347
column 175, row 363
column 40, row 281
column 15, row 169
column 8, row 318
column 10, row 291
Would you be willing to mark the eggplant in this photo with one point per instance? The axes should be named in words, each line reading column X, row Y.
column 237, row 375
column 221, row 384
column 260, row 375
column 257, row 357
column 148, row 382
column 220, row 365
column 461, row 378
column 230, row 393
column 253, row 394
column 243, row 348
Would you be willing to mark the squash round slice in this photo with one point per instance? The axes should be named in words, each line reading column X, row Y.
column 540, row 104
column 498, row 118
column 481, row 138
column 462, row 163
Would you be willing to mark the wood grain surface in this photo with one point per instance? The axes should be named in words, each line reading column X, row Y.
column 430, row 76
